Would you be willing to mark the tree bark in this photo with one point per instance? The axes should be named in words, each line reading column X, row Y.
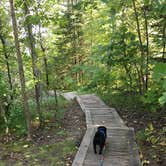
column 21, row 69
column 34, row 60
column 43, row 50
column 139, row 80
column 147, row 48
column 56, row 99
column 3, row 41
column 164, row 38
column 4, row 117
column 44, row 59
column 140, row 45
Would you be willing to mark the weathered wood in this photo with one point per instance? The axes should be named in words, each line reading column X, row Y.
column 81, row 154
column 121, row 148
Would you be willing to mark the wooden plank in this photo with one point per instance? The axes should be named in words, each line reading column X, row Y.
column 81, row 154
column 134, row 152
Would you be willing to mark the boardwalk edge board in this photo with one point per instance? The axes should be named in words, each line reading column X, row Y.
column 134, row 151
column 81, row 153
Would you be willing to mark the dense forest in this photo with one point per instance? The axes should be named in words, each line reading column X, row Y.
column 113, row 48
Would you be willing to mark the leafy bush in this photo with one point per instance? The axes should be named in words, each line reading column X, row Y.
column 16, row 120
column 119, row 99
column 159, row 74
column 150, row 100
column 148, row 135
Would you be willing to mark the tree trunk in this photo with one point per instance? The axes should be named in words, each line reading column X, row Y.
column 164, row 37
column 4, row 117
column 147, row 48
column 125, row 64
column 129, row 75
column 21, row 69
column 34, row 60
column 46, row 71
column 141, row 46
column 56, row 98
column 139, row 80
column 43, row 49
column 3, row 41
column 44, row 59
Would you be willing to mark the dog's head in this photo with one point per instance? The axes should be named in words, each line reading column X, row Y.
column 102, row 130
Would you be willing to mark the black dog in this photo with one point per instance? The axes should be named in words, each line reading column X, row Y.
column 100, row 138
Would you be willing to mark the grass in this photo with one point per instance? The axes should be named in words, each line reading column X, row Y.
column 21, row 152
column 25, row 152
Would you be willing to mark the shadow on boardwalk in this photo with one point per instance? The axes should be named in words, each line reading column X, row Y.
column 121, row 149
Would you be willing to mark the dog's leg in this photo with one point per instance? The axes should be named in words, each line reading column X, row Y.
column 101, row 149
column 94, row 147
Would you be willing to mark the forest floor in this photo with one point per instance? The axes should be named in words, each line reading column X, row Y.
column 150, row 129
column 58, row 142
column 55, row 145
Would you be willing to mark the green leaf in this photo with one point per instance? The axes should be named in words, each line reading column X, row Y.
column 159, row 71
column 164, row 84
column 162, row 99
column 33, row 19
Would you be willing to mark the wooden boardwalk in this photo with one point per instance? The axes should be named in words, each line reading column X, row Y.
column 121, row 149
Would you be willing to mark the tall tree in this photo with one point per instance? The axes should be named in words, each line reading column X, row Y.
column 145, row 10
column 21, row 69
column 40, row 14
column 36, row 71
column 141, row 47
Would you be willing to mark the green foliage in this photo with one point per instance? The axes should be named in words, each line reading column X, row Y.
column 48, row 154
column 89, row 45
column 124, row 100
column 159, row 75
column 141, row 135
column 159, row 71
column 33, row 19
column 2, row 86
column 162, row 99
column 150, row 100
column 3, row 103
column 150, row 135
column 16, row 120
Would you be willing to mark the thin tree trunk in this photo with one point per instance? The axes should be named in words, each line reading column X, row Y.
column 3, row 41
column 46, row 70
column 125, row 65
column 44, row 59
column 56, row 98
column 147, row 48
column 21, row 70
column 34, row 60
column 164, row 37
column 139, row 80
column 4, row 117
column 141, row 45
column 129, row 75
column 43, row 50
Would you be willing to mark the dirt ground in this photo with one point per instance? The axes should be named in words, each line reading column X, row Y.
column 75, row 123
column 54, row 145
column 150, row 135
